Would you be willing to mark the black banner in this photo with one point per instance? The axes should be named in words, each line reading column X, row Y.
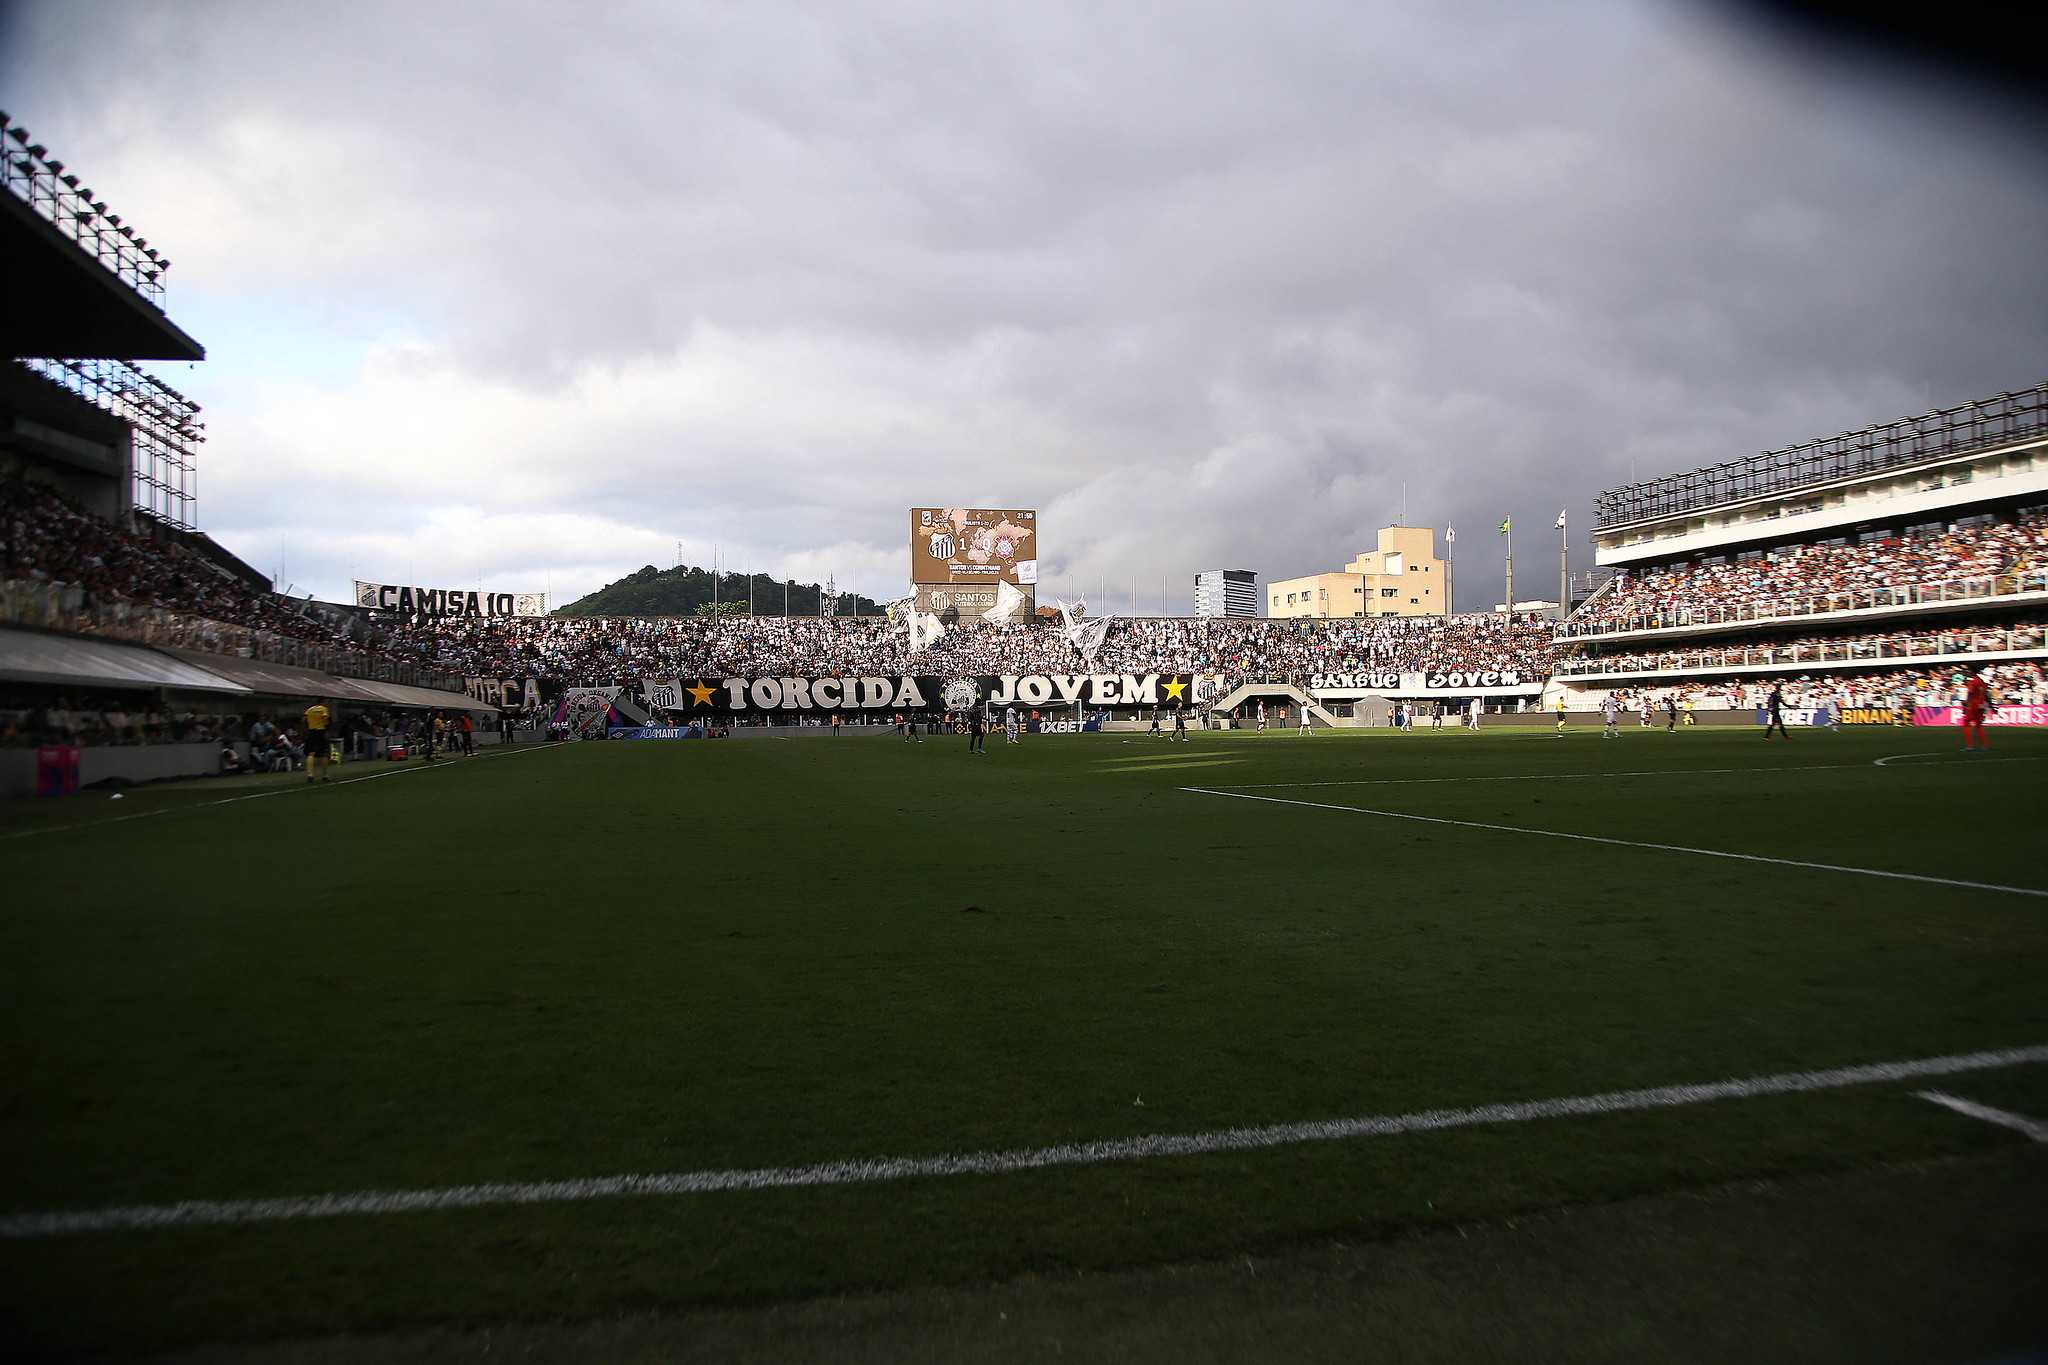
column 918, row 692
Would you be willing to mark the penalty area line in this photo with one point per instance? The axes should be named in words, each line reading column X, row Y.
column 1628, row 843
column 2004, row 1118
column 202, row 1212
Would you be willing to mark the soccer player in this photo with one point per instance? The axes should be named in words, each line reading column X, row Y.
column 1012, row 730
column 1610, row 711
column 1670, row 715
column 1774, row 712
column 1180, row 725
column 1155, row 730
column 317, row 750
column 1305, row 731
column 1560, row 715
column 974, row 731
column 1688, row 711
column 1976, row 710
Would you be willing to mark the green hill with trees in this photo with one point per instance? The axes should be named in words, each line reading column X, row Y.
column 687, row 591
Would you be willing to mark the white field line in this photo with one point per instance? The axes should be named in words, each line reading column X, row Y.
column 280, row 790
column 1654, row 772
column 1628, row 843
column 2004, row 1118
column 198, row 1212
column 1972, row 762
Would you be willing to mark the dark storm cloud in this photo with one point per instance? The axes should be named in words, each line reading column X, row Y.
column 1208, row 284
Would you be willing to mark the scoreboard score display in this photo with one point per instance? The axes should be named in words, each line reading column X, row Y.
column 967, row 545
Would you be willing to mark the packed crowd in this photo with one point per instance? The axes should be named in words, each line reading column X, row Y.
column 1818, row 571
column 595, row 651
column 46, row 540
column 2021, row 683
column 1896, row 644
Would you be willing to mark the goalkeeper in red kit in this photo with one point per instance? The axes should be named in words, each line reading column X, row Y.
column 1976, row 709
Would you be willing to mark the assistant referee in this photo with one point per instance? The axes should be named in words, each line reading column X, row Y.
column 317, row 748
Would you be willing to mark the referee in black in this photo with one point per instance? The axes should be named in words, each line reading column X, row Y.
column 1774, row 712
column 974, row 730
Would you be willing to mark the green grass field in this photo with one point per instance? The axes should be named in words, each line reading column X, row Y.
column 609, row 959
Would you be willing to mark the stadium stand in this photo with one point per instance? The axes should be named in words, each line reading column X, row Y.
column 1921, row 540
column 612, row 652
column 124, row 630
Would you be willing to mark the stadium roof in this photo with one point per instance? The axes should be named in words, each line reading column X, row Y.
column 78, row 282
column 1979, row 425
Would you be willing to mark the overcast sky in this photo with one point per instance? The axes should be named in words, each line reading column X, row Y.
column 532, row 293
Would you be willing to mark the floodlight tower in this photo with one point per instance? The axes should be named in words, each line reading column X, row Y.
column 84, row 299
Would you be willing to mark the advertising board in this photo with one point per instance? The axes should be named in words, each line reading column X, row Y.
column 973, row 545
column 2000, row 715
column 1430, row 680
column 953, row 603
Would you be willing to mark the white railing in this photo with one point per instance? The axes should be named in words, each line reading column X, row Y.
column 1869, row 650
column 1818, row 604
column 54, row 606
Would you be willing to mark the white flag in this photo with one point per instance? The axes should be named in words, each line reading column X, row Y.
column 925, row 629
column 1450, row 535
column 1560, row 517
column 1008, row 599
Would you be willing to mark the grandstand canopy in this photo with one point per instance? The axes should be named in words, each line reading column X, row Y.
column 267, row 679
column 53, row 660
column 63, row 302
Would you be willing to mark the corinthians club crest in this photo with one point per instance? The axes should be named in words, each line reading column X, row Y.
column 962, row 694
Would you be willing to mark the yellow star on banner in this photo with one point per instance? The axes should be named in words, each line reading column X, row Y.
column 700, row 695
column 1174, row 688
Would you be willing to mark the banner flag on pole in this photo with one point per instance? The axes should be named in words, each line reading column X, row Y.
column 1504, row 524
column 1560, row 517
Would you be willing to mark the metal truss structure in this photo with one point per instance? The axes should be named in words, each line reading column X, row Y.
column 166, row 426
column 27, row 172
column 1980, row 425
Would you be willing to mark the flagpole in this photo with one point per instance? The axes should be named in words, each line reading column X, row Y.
column 1564, row 565
column 1507, row 528
column 1450, row 598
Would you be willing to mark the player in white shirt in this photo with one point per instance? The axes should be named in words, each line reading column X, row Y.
column 1610, row 711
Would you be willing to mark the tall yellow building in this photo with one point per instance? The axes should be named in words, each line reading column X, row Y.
column 1403, row 577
